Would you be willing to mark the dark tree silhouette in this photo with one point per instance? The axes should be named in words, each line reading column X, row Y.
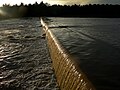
column 45, row 9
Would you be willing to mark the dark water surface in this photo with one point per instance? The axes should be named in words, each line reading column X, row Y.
column 95, row 42
column 24, row 60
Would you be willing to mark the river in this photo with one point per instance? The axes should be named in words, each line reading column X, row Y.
column 25, row 63
column 95, row 43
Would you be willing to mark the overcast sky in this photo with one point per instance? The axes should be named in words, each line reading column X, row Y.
column 61, row 1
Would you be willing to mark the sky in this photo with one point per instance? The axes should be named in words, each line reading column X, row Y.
column 12, row 2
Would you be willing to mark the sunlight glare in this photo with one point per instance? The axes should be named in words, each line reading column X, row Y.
column 52, row 2
column 2, row 12
column 13, row 2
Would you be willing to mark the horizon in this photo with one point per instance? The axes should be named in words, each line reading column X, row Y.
column 60, row 2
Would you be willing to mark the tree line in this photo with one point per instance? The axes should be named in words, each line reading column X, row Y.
column 47, row 10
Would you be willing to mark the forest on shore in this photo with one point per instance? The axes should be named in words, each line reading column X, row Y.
column 47, row 10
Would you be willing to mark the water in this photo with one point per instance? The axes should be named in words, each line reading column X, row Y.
column 25, row 63
column 95, row 43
